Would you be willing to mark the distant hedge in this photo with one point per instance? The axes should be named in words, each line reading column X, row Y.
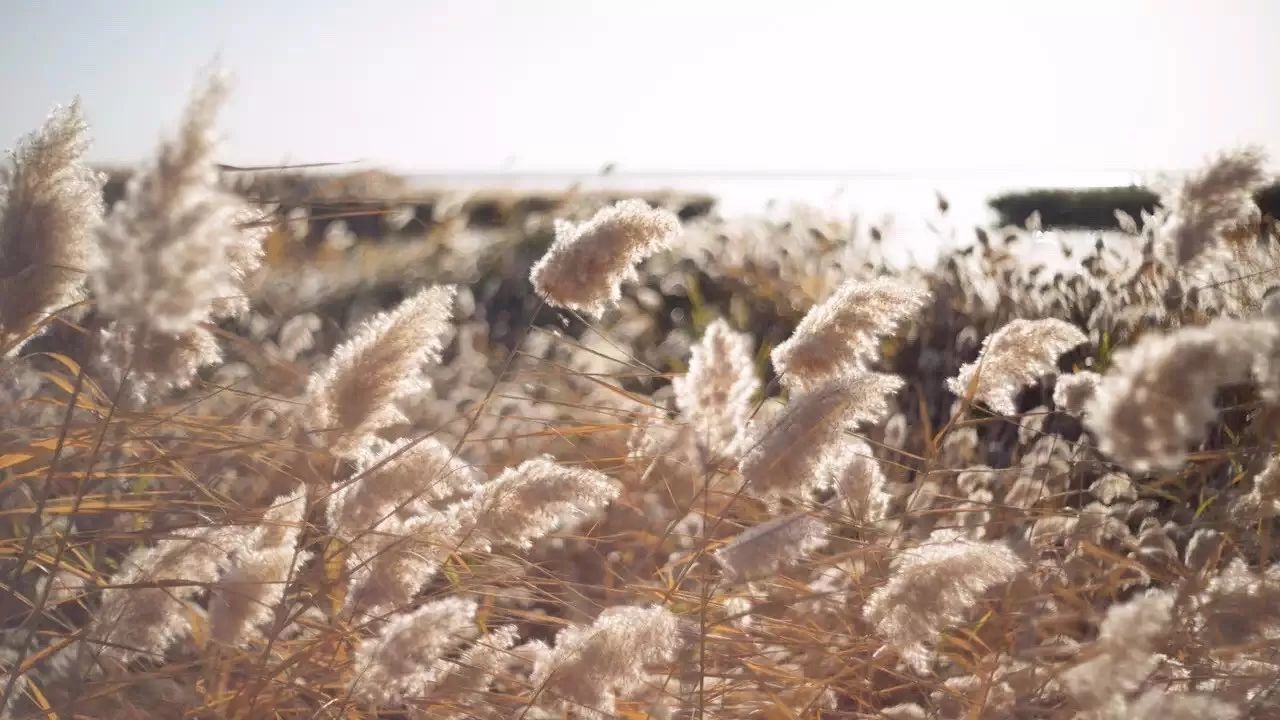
column 1268, row 200
column 1094, row 208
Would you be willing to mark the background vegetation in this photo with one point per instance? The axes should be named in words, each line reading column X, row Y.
column 571, row 457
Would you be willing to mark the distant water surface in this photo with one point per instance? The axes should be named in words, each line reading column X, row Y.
column 904, row 206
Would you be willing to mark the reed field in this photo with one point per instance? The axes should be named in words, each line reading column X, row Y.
column 612, row 462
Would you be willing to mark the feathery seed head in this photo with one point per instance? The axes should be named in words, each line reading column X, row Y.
column 244, row 257
column 1158, row 704
column 391, row 561
column 356, row 391
column 841, row 334
column 172, row 253
column 760, row 550
column 591, row 666
column 855, row 474
column 1210, row 200
column 714, row 396
column 405, row 657
column 1128, row 641
column 1074, row 390
column 404, row 476
column 50, row 207
column 1013, row 357
column 787, row 458
column 587, row 264
column 1158, row 396
column 246, row 596
column 148, row 609
column 464, row 684
column 932, row 587
column 1263, row 500
column 528, row 501
column 154, row 363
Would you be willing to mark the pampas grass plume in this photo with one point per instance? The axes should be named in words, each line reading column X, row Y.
column 172, row 249
column 591, row 666
column 355, row 392
column 50, row 208
column 530, row 500
column 587, row 264
column 1210, row 199
column 1013, row 357
column 407, row 654
column 932, row 586
column 838, row 336
column 1126, row 650
column 1158, row 397
column 787, row 457
column 715, row 395
column 762, row 549
column 1074, row 390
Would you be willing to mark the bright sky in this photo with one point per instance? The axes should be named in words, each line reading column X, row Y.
column 841, row 86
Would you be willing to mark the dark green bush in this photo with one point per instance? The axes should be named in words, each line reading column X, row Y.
column 1268, row 200
column 1094, row 208
column 1091, row 208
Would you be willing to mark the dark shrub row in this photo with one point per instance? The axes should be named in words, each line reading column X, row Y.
column 1094, row 208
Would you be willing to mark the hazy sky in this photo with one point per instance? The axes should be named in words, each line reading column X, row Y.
column 659, row 85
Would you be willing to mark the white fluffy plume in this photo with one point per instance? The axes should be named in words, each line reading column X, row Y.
column 587, row 264
column 1013, row 357
column 841, row 334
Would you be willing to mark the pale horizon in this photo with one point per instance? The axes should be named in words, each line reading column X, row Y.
column 811, row 88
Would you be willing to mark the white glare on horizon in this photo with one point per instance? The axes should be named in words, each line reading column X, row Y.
column 709, row 87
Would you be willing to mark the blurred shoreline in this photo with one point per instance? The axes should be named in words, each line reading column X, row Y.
column 905, row 208
column 915, row 214
column 870, row 195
